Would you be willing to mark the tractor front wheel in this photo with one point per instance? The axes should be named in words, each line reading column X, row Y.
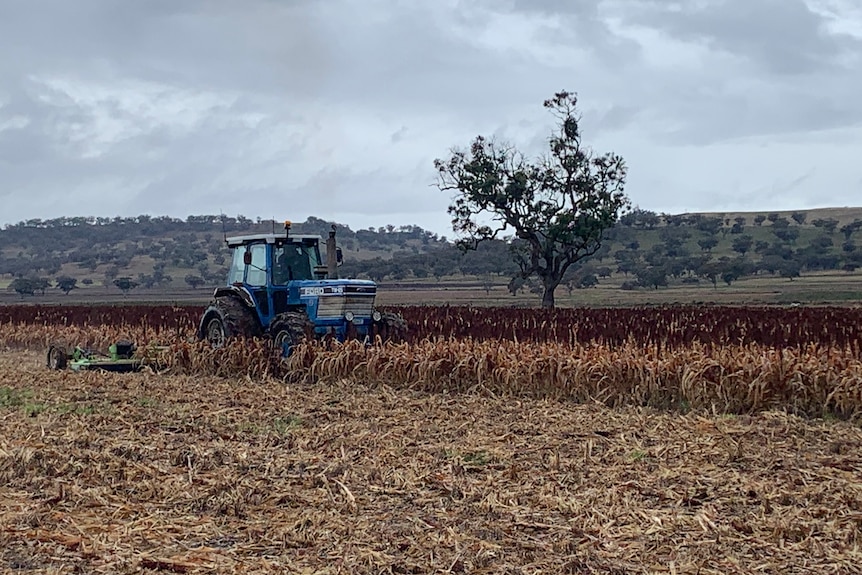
column 288, row 330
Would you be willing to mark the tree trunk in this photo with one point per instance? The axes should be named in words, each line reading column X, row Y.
column 548, row 298
column 548, row 295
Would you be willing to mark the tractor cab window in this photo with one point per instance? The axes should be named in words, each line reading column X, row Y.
column 256, row 275
column 237, row 268
column 293, row 262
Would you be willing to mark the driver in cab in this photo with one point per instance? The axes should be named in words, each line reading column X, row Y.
column 291, row 263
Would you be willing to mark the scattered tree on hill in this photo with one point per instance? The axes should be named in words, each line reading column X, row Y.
column 798, row 217
column 822, row 242
column 639, row 218
column 759, row 219
column 66, row 284
column 828, row 224
column 709, row 226
column 559, row 206
column 850, row 228
column 742, row 244
column 706, row 244
column 788, row 235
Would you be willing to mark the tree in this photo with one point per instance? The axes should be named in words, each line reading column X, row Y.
column 742, row 244
column 559, row 206
column 790, row 269
column 24, row 286
column 711, row 270
column 194, row 281
column 639, row 218
column 66, row 284
column 788, row 235
column 828, row 224
column 798, row 217
column 652, row 276
column 706, row 244
column 126, row 284
column 710, row 226
column 850, row 228
column 759, row 219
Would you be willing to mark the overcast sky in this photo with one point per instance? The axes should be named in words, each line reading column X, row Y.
column 337, row 109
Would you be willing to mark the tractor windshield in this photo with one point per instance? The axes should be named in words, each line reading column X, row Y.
column 293, row 262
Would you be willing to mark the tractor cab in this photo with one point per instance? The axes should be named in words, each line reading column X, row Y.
column 278, row 286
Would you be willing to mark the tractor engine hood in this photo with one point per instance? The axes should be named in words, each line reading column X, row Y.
column 337, row 299
column 315, row 288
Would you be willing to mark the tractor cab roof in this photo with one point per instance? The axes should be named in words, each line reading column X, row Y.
column 272, row 239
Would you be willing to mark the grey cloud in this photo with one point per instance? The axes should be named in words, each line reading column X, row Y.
column 399, row 135
column 209, row 104
column 302, row 51
column 780, row 36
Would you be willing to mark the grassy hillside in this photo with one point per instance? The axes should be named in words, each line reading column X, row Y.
column 844, row 215
column 694, row 255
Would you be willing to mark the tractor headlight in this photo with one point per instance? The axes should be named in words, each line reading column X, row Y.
column 376, row 315
column 349, row 316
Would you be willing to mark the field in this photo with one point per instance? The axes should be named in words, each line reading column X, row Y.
column 645, row 440
column 834, row 287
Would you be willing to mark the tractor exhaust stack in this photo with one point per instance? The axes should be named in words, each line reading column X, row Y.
column 331, row 257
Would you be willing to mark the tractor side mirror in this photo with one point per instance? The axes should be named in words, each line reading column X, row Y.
column 246, row 258
column 339, row 256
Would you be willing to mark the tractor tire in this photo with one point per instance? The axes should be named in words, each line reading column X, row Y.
column 233, row 318
column 57, row 357
column 393, row 327
column 289, row 328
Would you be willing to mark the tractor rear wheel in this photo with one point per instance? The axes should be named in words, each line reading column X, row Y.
column 289, row 329
column 232, row 318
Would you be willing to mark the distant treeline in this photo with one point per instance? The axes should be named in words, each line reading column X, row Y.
column 645, row 250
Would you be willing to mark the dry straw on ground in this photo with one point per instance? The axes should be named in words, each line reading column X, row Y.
column 189, row 473
column 449, row 456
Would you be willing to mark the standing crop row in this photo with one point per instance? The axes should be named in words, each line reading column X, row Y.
column 656, row 326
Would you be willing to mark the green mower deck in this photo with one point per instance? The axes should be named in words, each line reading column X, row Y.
column 119, row 359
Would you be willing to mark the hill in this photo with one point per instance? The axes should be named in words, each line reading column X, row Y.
column 163, row 257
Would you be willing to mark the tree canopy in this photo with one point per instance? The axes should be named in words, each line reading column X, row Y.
column 558, row 205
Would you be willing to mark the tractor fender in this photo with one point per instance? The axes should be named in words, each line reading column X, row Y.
column 238, row 293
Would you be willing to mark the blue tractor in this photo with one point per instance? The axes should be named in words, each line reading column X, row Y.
column 279, row 288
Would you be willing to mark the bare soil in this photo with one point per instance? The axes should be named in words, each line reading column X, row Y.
column 145, row 473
